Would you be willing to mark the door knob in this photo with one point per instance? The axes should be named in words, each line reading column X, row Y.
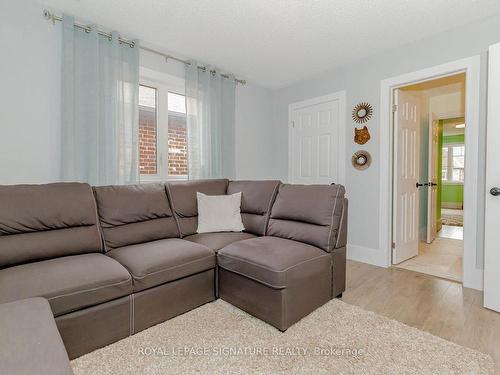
column 495, row 191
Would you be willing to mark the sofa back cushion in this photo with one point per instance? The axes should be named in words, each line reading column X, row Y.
column 183, row 197
column 308, row 213
column 132, row 214
column 256, row 200
column 40, row 222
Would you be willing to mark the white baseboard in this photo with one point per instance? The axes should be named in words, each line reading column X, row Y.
column 366, row 255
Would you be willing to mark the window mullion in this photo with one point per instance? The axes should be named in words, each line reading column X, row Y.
column 450, row 163
column 163, row 132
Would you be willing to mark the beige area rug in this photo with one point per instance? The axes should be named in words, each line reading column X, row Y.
column 453, row 220
column 452, row 217
column 218, row 338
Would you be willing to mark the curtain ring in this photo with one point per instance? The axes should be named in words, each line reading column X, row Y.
column 132, row 45
column 49, row 16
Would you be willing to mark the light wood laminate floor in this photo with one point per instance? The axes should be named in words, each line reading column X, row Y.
column 441, row 258
column 441, row 307
column 448, row 231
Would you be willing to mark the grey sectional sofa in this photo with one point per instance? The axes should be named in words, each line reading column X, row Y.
column 114, row 260
column 29, row 340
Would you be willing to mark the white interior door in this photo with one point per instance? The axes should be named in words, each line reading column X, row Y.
column 433, row 179
column 492, row 213
column 406, row 175
column 316, row 154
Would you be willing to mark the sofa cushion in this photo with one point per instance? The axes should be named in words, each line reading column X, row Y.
column 131, row 214
column 217, row 241
column 183, row 198
column 219, row 213
column 307, row 213
column 158, row 262
column 256, row 201
column 39, row 222
column 275, row 262
column 28, row 326
column 69, row 283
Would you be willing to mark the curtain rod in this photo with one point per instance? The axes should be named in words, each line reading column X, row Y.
column 53, row 17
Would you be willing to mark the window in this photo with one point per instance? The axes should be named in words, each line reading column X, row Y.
column 162, row 130
column 453, row 163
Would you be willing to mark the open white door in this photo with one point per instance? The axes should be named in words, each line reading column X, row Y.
column 433, row 179
column 492, row 213
column 406, row 174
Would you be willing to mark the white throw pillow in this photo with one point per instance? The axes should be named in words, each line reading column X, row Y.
column 219, row 213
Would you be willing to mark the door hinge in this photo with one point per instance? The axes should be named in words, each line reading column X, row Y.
column 394, row 108
column 293, row 124
column 394, row 245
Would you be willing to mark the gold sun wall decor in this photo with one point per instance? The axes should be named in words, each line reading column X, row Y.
column 362, row 112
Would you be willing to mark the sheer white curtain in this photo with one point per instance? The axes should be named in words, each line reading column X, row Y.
column 100, row 84
column 210, row 106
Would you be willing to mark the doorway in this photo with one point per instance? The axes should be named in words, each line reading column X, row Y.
column 472, row 262
column 429, row 175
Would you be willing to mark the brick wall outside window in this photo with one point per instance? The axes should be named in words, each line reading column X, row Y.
column 177, row 145
column 147, row 140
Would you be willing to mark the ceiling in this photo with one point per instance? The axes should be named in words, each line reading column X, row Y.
column 450, row 126
column 444, row 95
column 453, row 81
column 277, row 42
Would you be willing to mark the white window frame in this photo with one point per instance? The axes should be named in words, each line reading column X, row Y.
column 449, row 167
column 163, row 83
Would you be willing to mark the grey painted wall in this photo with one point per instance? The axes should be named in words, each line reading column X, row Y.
column 254, row 146
column 361, row 80
column 30, row 71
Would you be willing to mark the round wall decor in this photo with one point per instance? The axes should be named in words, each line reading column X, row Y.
column 362, row 112
column 361, row 160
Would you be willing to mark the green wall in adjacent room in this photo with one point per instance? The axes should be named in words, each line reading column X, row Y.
column 452, row 193
column 459, row 138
